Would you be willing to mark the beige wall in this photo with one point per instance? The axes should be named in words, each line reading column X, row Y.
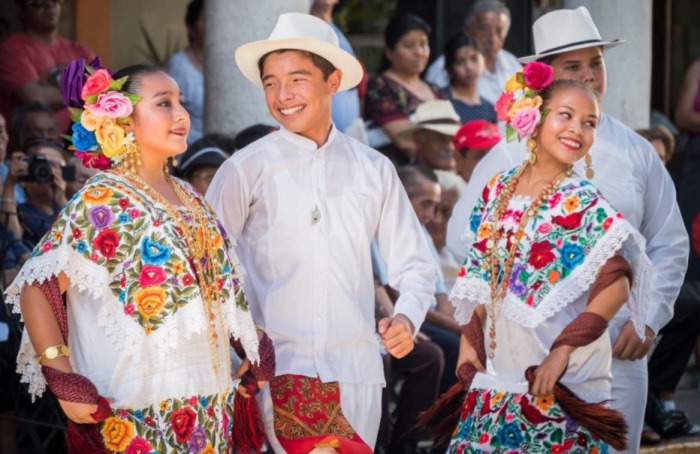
column 164, row 21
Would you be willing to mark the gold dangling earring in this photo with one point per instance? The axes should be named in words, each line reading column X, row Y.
column 132, row 153
column 532, row 145
column 589, row 166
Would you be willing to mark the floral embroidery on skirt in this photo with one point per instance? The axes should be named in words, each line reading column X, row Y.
column 501, row 422
column 198, row 424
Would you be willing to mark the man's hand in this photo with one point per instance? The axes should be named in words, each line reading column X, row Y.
column 467, row 354
column 397, row 335
column 244, row 367
column 629, row 346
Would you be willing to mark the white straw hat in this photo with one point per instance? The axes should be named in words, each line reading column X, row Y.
column 564, row 30
column 305, row 32
column 437, row 115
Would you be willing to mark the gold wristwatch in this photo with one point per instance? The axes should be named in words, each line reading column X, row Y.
column 53, row 352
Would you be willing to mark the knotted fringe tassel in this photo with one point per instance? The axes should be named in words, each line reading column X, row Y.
column 248, row 433
column 604, row 423
column 443, row 416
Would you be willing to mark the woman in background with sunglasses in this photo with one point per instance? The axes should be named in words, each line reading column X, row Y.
column 33, row 58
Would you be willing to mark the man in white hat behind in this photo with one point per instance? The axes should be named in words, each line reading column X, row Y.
column 302, row 205
column 630, row 175
column 435, row 126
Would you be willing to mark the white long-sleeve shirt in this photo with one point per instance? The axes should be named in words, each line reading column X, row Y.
column 629, row 173
column 302, row 219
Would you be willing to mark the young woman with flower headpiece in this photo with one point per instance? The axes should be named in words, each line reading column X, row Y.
column 131, row 300
column 550, row 263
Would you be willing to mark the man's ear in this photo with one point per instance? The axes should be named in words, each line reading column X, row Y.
column 334, row 81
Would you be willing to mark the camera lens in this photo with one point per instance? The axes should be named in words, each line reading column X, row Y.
column 40, row 170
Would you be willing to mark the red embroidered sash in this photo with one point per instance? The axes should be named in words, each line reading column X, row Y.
column 307, row 415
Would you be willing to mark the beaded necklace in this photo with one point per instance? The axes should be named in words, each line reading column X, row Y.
column 202, row 245
column 499, row 287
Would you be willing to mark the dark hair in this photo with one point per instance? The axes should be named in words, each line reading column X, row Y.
column 252, row 133
column 660, row 132
column 135, row 73
column 17, row 119
column 321, row 63
column 410, row 177
column 548, row 93
column 187, row 166
column 455, row 43
column 194, row 11
column 397, row 28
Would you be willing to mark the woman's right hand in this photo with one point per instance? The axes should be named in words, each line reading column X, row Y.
column 467, row 354
column 78, row 413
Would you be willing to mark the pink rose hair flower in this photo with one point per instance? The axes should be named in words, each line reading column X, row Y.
column 525, row 121
column 112, row 104
column 97, row 83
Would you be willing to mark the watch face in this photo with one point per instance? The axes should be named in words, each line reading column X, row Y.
column 51, row 352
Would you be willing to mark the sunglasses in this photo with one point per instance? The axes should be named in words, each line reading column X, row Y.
column 42, row 3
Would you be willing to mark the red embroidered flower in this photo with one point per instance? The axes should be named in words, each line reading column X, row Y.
column 485, row 194
column 182, row 422
column 481, row 245
column 94, row 257
column 462, row 272
column 151, row 275
column 221, row 283
column 134, row 213
column 157, row 223
column 77, row 233
column 149, row 421
column 530, row 299
column 138, row 445
column 193, row 401
column 210, row 411
column 607, row 223
column 187, row 279
column 129, row 309
column 107, row 242
column 565, row 447
column 484, row 438
column 123, row 204
column 122, row 282
column 541, row 254
column 555, row 199
column 47, row 246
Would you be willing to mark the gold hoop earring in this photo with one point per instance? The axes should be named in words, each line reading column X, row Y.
column 588, row 160
column 532, row 146
column 132, row 153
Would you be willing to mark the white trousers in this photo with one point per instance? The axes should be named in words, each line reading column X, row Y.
column 361, row 404
column 629, row 396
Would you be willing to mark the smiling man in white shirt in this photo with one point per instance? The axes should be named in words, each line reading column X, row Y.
column 629, row 173
column 303, row 205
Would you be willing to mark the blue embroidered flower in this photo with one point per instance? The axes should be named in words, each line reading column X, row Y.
column 122, row 297
column 83, row 139
column 138, row 414
column 203, row 402
column 572, row 255
column 475, row 222
column 227, row 269
column 516, row 285
column 82, row 246
column 510, row 435
column 153, row 252
column 124, row 218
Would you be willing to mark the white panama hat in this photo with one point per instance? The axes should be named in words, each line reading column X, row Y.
column 305, row 32
column 437, row 115
column 564, row 30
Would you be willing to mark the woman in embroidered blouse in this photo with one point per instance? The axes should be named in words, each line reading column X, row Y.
column 393, row 95
column 153, row 294
column 539, row 237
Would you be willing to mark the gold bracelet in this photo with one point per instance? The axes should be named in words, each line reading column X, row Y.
column 53, row 352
